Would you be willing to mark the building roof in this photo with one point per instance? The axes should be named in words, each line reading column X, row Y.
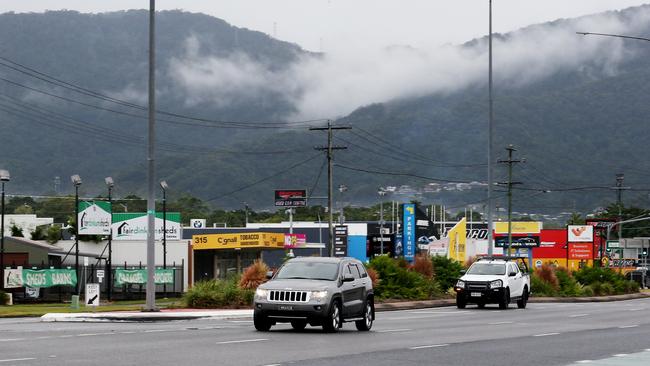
column 42, row 245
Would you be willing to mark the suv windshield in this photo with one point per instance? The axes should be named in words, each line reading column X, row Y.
column 487, row 269
column 309, row 270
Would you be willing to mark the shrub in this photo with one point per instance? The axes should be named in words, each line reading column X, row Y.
column 587, row 291
column 218, row 293
column 546, row 273
column 446, row 271
column 568, row 285
column 398, row 282
column 539, row 287
column 607, row 289
column 374, row 277
column 254, row 275
column 4, row 298
column 423, row 266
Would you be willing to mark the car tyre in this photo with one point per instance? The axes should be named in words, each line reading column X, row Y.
column 298, row 324
column 332, row 321
column 505, row 300
column 460, row 301
column 262, row 323
column 368, row 317
column 521, row 303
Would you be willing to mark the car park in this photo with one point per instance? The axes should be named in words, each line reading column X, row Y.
column 494, row 280
column 317, row 291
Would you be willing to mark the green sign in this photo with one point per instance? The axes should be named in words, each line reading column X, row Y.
column 613, row 244
column 49, row 277
column 94, row 218
column 139, row 276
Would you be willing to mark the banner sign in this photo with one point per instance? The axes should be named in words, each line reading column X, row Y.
column 581, row 251
column 49, row 277
column 238, row 241
column 409, row 232
column 340, row 241
column 133, row 226
column 94, row 218
column 13, row 278
column 295, row 241
column 531, row 241
column 139, row 276
column 580, row 233
column 291, row 198
column 518, row 227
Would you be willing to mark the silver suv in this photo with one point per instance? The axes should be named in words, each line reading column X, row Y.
column 317, row 291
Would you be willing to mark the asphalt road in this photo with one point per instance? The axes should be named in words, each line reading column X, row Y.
column 615, row 333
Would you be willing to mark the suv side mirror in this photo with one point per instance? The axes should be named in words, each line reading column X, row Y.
column 463, row 271
column 347, row 277
column 269, row 274
column 512, row 273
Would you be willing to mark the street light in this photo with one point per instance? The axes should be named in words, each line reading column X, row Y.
column 76, row 181
column 109, row 276
column 4, row 177
column 342, row 188
column 164, row 186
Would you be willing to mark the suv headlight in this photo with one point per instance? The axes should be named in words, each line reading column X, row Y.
column 318, row 295
column 261, row 293
column 460, row 284
column 496, row 284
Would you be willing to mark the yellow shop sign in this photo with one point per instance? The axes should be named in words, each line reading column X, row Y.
column 238, row 241
column 518, row 227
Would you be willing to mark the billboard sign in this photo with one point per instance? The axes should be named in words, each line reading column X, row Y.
column 295, row 241
column 238, row 241
column 94, row 218
column 340, row 241
column 518, row 227
column 581, row 251
column 409, row 232
column 291, row 198
column 580, row 233
column 133, row 226
column 530, row 241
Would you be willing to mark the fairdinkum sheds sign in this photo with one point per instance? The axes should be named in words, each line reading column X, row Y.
column 291, row 197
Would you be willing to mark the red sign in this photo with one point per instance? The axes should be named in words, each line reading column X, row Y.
column 581, row 251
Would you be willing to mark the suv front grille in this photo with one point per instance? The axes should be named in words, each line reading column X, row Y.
column 288, row 296
column 477, row 285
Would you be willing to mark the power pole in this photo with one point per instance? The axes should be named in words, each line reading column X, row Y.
column 329, row 150
column 490, row 172
column 620, row 177
column 510, row 183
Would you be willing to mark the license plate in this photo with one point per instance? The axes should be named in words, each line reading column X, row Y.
column 285, row 307
column 475, row 294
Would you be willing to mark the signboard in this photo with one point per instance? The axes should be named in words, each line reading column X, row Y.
column 13, row 278
column 139, row 276
column 409, row 231
column 238, row 241
column 580, row 233
column 530, row 241
column 100, row 275
column 92, row 294
column 197, row 223
column 518, row 227
column 94, row 218
column 398, row 250
column 439, row 247
column 457, row 241
column 133, row 226
column 340, row 241
column 581, row 251
column 295, row 241
column 291, row 198
column 49, row 277
column 613, row 244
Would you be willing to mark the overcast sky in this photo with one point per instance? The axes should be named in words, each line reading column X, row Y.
column 316, row 24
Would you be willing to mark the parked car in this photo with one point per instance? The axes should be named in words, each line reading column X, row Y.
column 317, row 291
column 494, row 280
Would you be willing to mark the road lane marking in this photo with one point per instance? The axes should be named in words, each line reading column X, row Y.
column 157, row 330
column 500, row 323
column 545, row 334
column 577, row 315
column 393, row 330
column 628, row 326
column 18, row 359
column 12, row 339
column 244, row 341
column 636, row 309
column 584, row 361
column 620, row 355
column 429, row 346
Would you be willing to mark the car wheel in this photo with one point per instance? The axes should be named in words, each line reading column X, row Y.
column 332, row 322
column 521, row 303
column 298, row 324
column 460, row 301
column 262, row 323
column 366, row 323
column 505, row 300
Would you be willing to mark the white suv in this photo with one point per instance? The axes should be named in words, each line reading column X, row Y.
column 494, row 280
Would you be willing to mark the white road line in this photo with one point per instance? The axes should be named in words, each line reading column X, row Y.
column 620, row 355
column 244, row 341
column 545, row 334
column 393, row 330
column 429, row 346
column 440, row 312
column 636, row 309
column 628, row 326
column 18, row 359
column 12, row 340
column 584, row 361
column 157, row 330
column 500, row 323
column 127, row 332
column 577, row 315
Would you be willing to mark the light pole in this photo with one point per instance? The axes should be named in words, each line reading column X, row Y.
column 164, row 186
column 381, row 193
column 342, row 188
column 76, row 181
column 489, row 149
column 109, row 264
column 151, row 172
column 4, row 177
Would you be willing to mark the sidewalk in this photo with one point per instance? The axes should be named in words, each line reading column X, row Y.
column 189, row 314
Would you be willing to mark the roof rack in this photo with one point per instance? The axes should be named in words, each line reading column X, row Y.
column 500, row 257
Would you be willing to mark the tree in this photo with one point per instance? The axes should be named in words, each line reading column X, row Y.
column 16, row 231
column 575, row 219
column 38, row 233
column 53, row 234
column 24, row 210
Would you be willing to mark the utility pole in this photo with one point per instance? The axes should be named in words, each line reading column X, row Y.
column 489, row 149
column 510, row 183
column 620, row 177
column 329, row 150
column 151, row 203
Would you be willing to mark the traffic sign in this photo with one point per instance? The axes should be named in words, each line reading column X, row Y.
column 92, row 294
column 100, row 275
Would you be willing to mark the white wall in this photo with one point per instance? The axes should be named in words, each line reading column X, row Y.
column 26, row 222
